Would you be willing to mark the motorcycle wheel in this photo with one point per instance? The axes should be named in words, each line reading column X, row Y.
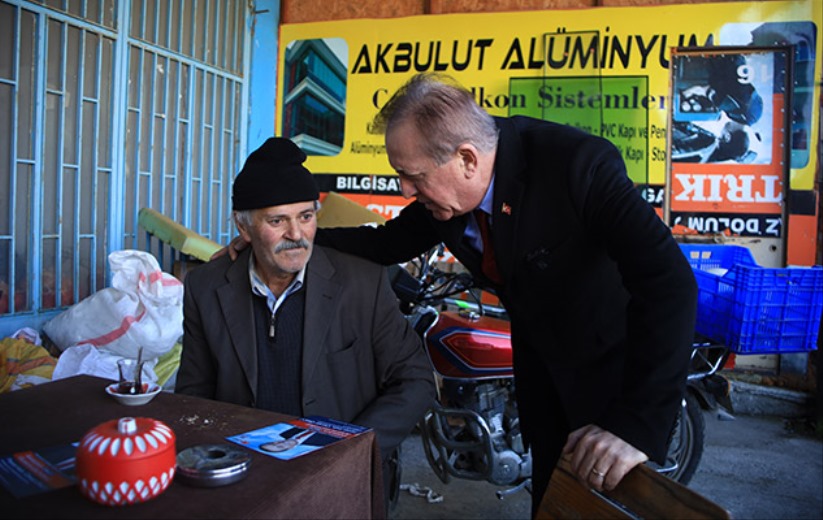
column 686, row 448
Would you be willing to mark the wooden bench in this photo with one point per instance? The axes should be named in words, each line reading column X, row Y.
column 336, row 211
column 339, row 211
column 193, row 247
column 643, row 493
column 176, row 235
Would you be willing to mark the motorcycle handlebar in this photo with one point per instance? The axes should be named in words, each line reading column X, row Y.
column 406, row 287
column 431, row 285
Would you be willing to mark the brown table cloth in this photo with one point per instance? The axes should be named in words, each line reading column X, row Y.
column 342, row 480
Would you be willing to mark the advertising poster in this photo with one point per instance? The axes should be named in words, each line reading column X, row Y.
column 729, row 137
column 606, row 70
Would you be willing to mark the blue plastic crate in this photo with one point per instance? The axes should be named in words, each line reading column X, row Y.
column 713, row 269
column 753, row 309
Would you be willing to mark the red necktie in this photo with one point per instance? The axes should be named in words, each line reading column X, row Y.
column 489, row 264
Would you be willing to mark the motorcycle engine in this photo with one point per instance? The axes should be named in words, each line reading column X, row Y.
column 491, row 434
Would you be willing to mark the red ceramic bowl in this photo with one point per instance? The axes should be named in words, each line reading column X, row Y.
column 126, row 461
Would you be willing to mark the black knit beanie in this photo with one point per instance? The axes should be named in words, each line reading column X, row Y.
column 272, row 176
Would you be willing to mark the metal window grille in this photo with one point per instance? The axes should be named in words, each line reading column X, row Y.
column 107, row 107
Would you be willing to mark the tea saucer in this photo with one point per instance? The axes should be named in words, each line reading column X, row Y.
column 151, row 390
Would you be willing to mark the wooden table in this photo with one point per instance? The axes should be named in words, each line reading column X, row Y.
column 342, row 480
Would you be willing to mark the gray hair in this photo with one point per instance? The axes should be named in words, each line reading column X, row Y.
column 444, row 113
column 244, row 216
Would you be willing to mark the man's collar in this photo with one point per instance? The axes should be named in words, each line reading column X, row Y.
column 487, row 204
column 259, row 287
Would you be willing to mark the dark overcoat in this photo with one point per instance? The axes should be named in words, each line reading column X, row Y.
column 602, row 301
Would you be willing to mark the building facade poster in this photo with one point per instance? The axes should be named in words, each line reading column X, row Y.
column 729, row 140
column 605, row 70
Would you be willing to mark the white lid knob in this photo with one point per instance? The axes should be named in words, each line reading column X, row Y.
column 127, row 425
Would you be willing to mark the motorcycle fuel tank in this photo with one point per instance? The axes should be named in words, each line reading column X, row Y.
column 467, row 347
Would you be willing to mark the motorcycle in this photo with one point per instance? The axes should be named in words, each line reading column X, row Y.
column 474, row 431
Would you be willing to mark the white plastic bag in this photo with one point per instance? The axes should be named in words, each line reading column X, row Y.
column 89, row 360
column 142, row 308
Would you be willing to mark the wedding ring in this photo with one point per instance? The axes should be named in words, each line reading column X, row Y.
column 598, row 473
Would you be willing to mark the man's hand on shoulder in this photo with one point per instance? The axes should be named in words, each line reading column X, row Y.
column 234, row 248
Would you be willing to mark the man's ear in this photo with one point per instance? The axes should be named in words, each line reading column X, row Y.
column 241, row 227
column 469, row 158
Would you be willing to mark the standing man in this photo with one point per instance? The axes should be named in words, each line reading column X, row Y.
column 601, row 299
column 299, row 329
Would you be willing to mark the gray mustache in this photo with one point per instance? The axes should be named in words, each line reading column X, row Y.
column 285, row 245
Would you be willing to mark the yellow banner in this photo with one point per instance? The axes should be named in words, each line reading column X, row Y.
column 603, row 69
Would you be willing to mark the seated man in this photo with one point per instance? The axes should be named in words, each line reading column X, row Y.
column 296, row 328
